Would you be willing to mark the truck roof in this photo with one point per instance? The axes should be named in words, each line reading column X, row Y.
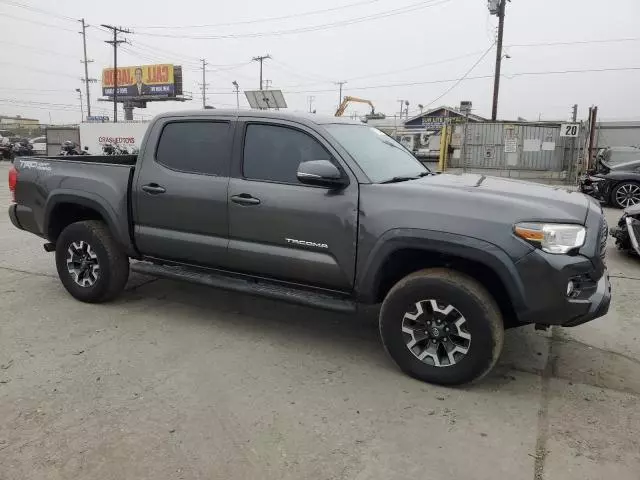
column 301, row 117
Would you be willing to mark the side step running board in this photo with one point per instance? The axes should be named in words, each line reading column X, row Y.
column 262, row 288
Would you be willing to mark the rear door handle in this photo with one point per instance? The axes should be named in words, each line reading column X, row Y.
column 153, row 188
column 245, row 199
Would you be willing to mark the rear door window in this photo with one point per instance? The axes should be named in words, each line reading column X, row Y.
column 196, row 147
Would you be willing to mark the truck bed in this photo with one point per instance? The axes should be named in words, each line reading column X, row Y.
column 98, row 182
column 112, row 159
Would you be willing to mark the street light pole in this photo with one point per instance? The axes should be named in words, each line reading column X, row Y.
column 81, row 105
column 237, row 87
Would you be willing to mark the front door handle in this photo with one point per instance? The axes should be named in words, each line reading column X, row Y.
column 245, row 199
column 153, row 188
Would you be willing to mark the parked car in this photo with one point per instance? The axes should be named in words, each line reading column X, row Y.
column 39, row 145
column 616, row 184
column 324, row 212
column 627, row 231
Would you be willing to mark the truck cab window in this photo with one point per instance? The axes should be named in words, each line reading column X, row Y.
column 273, row 153
column 195, row 147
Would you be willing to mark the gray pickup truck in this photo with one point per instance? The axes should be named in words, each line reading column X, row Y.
column 328, row 213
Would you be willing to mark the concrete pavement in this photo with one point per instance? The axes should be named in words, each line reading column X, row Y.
column 179, row 381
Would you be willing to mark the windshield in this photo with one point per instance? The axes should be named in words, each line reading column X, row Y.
column 380, row 157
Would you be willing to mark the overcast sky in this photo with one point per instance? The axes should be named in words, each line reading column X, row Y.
column 378, row 44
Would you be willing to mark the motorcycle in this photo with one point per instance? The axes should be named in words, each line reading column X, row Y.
column 22, row 148
column 6, row 151
column 111, row 149
column 72, row 148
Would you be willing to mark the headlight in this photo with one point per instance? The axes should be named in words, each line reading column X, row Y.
column 596, row 179
column 552, row 237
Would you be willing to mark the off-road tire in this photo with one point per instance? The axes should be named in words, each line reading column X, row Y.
column 112, row 260
column 470, row 298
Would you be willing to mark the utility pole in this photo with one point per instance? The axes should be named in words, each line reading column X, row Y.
column 592, row 134
column 87, row 80
column 401, row 108
column 237, row 88
column 81, row 106
column 115, row 42
column 574, row 113
column 497, row 7
column 261, row 59
column 204, row 83
column 340, row 84
column 311, row 98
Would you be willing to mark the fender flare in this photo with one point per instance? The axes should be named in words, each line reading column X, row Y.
column 453, row 244
column 88, row 200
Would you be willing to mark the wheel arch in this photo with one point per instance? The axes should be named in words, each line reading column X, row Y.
column 63, row 209
column 401, row 252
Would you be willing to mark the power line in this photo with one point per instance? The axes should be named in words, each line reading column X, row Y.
column 261, row 20
column 415, row 67
column 47, row 72
column 395, row 71
column 38, row 50
column 574, row 42
column 48, row 13
column 388, row 13
column 297, row 73
column 477, row 77
column 36, row 89
column 461, row 79
column 155, row 49
column 36, row 22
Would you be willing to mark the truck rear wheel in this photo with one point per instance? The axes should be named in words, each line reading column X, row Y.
column 91, row 265
column 441, row 326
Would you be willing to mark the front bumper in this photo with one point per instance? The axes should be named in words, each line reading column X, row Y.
column 592, row 188
column 598, row 303
column 545, row 278
column 545, row 281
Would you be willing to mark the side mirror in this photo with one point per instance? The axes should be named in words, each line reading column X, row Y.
column 321, row 173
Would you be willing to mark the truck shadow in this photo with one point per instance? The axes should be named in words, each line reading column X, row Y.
column 333, row 335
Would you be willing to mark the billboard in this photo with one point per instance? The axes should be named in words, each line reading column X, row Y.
column 141, row 81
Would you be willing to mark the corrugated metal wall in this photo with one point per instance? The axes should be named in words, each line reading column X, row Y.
column 537, row 147
column 618, row 134
column 56, row 136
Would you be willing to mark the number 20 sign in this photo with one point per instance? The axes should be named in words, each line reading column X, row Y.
column 569, row 129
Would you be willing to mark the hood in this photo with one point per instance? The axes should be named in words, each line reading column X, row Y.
column 527, row 200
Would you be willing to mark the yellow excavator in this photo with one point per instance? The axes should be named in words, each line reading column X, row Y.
column 347, row 100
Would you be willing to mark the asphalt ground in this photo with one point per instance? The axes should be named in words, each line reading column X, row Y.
column 176, row 381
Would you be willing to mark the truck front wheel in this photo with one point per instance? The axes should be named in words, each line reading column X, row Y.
column 441, row 326
column 91, row 265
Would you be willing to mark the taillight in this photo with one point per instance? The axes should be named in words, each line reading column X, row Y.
column 13, row 181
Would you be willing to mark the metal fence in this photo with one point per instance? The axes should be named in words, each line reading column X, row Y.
column 513, row 146
column 56, row 136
